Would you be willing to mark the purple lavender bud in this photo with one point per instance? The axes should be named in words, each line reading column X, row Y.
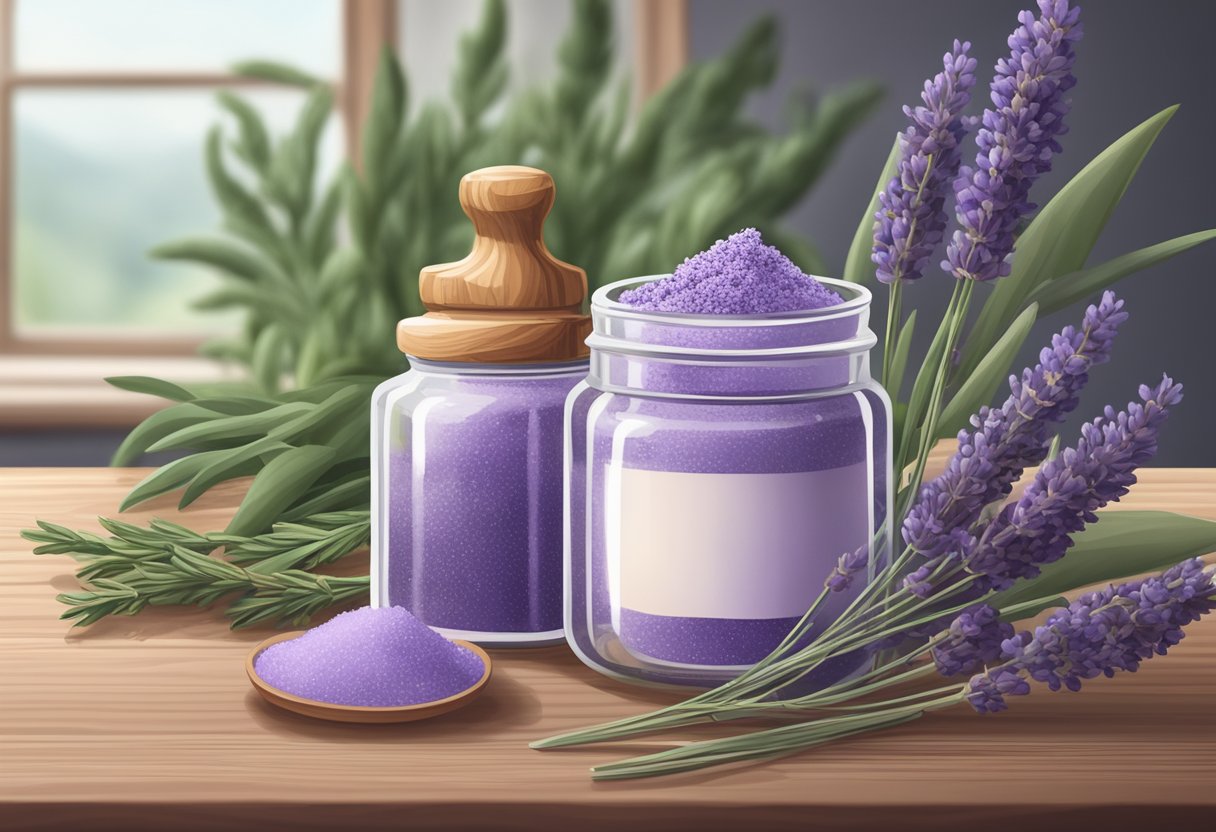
column 1068, row 490
column 911, row 219
column 847, row 567
column 1013, row 437
column 1099, row 634
column 972, row 641
column 987, row 691
column 955, row 545
column 1016, row 140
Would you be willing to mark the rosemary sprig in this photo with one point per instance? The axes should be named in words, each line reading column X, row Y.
column 167, row 564
column 187, row 578
column 306, row 544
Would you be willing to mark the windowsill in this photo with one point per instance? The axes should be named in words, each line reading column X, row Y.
column 69, row 391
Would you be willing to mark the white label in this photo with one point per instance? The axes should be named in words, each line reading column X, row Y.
column 730, row 545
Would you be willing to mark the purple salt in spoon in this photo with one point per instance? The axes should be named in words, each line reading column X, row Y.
column 368, row 665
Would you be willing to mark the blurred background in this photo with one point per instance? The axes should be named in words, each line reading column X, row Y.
column 105, row 108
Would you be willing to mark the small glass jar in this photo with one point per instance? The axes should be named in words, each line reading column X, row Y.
column 716, row 469
column 468, row 497
column 467, row 446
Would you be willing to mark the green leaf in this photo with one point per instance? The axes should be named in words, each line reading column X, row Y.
column 158, row 425
column 983, row 382
column 858, row 268
column 922, row 389
column 276, row 73
column 350, row 494
column 254, row 144
column 231, row 258
column 1119, row 545
column 277, row 486
column 151, row 386
column 1061, row 236
column 1067, row 290
column 168, row 477
column 268, row 357
column 899, row 359
column 480, row 74
column 239, row 462
column 231, row 194
column 385, row 118
column 231, row 427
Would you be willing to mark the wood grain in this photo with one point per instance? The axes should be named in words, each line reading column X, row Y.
column 149, row 723
column 509, row 300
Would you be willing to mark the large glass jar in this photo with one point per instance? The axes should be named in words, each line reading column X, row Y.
column 716, row 469
column 468, row 499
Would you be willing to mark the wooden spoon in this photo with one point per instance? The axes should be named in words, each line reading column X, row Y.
column 361, row 713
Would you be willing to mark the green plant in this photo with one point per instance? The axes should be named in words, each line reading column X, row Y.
column 636, row 195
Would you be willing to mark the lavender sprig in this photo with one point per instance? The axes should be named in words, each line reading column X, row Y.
column 1016, row 140
column 1099, row 634
column 1007, row 440
column 911, row 219
column 1068, row 490
column 847, row 568
column 972, row 641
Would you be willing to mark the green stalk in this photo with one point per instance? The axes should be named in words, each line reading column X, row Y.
column 891, row 336
column 766, row 744
column 959, row 302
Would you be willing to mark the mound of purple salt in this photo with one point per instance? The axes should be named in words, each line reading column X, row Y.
column 372, row 657
column 736, row 276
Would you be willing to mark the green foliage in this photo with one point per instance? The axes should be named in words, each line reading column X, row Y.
column 1049, row 274
column 322, row 271
column 635, row 196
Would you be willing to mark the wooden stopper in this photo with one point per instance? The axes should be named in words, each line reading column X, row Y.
column 509, row 301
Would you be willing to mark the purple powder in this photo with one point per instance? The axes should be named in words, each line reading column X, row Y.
column 474, row 504
column 736, row 276
column 370, row 657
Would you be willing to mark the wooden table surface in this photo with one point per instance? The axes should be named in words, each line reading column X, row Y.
column 149, row 723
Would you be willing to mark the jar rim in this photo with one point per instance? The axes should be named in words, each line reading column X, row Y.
column 575, row 366
column 605, row 300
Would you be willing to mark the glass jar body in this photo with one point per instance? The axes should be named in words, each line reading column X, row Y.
column 711, row 492
column 466, row 495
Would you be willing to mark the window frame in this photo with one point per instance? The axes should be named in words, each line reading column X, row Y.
column 366, row 25
column 42, row 372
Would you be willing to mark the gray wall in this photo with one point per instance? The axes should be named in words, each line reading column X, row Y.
column 1134, row 60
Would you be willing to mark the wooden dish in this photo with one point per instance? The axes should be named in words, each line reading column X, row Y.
column 360, row 713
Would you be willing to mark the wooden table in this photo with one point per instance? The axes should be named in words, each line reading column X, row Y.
column 149, row 723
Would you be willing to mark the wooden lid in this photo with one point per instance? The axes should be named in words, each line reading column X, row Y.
column 509, row 301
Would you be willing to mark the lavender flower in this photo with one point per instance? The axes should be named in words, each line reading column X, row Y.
column 1016, row 140
column 847, row 568
column 972, row 641
column 1067, row 490
column 912, row 217
column 1013, row 437
column 1098, row 634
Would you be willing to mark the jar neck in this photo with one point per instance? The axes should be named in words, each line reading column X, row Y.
column 778, row 356
column 503, row 371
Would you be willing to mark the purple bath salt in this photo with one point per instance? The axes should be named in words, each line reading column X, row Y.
column 472, row 495
column 736, row 276
column 719, row 464
column 371, row 657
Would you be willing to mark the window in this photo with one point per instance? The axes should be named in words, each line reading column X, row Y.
column 104, row 107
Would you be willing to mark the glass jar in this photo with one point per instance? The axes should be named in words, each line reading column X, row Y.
column 467, row 446
column 467, row 496
column 716, row 469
